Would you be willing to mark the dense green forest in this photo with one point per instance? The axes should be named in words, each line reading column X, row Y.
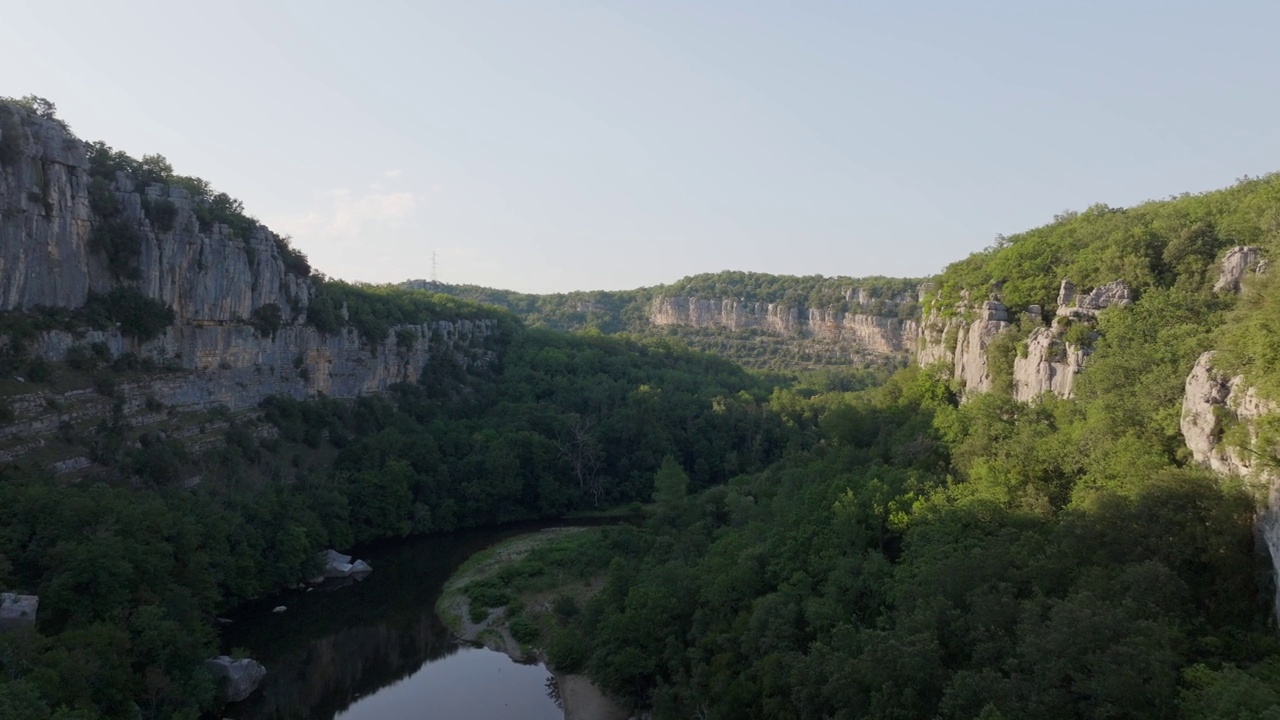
column 993, row 559
column 130, row 578
column 842, row 544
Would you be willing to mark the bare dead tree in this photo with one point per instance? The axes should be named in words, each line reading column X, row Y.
column 577, row 445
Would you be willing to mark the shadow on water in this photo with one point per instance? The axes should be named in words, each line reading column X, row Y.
column 340, row 643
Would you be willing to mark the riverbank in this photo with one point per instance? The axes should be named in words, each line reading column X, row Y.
column 512, row 597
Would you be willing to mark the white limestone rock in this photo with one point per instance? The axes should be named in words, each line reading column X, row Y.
column 1236, row 266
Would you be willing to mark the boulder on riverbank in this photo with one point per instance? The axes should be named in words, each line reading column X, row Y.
column 337, row 565
column 18, row 610
column 239, row 678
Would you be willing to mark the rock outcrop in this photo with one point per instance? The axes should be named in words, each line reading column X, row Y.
column 1049, row 363
column 1088, row 305
column 1049, row 366
column 18, row 611
column 726, row 313
column 48, row 255
column 1236, row 266
column 238, row 678
column 1214, row 404
column 963, row 342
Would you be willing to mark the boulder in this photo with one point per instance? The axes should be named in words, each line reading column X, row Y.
column 18, row 610
column 1088, row 305
column 337, row 565
column 238, row 678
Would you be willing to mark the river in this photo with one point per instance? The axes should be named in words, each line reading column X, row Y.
column 376, row 649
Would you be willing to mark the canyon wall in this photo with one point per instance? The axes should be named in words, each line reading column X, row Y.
column 853, row 329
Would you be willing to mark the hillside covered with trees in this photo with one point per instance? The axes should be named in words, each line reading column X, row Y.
column 631, row 312
column 1062, row 558
column 834, row 544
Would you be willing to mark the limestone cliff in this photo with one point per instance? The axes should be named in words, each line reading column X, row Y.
column 1220, row 424
column 962, row 340
column 48, row 254
column 1047, row 361
column 56, row 251
column 856, row 328
column 725, row 313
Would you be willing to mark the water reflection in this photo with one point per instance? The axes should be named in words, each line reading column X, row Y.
column 335, row 648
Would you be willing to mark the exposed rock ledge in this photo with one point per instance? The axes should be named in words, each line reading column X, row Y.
column 1210, row 400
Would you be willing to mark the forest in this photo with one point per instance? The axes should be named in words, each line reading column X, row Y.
column 847, row 543
column 988, row 559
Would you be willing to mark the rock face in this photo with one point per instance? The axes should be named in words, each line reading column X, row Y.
column 725, row 313
column 214, row 278
column 239, row 678
column 1050, row 366
column 1211, row 400
column 1236, row 266
column 18, row 611
column 47, row 226
column 877, row 333
column 1087, row 306
column 235, row 366
column 968, row 356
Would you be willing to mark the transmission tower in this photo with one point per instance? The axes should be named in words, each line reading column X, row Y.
column 435, row 275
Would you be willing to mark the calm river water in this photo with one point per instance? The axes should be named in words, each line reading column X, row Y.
column 375, row 649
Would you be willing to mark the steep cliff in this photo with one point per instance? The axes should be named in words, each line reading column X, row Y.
column 1049, row 358
column 961, row 341
column 55, row 241
column 1221, row 419
column 73, row 229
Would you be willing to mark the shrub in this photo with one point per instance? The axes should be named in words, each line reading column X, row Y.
column 39, row 371
column 1079, row 334
column 266, row 320
column 137, row 315
column 524, row 630
column 80, row 357
column 568, row 650
column 565, row 608
column 162, row 213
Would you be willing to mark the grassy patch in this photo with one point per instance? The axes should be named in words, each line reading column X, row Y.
column 540, row 580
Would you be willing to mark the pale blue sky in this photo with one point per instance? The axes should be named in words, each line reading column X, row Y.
column 546, row 146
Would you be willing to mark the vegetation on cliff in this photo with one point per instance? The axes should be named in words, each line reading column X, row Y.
column 833, row 549
column 1157, row 244
column 994, row 559
column 629, row 312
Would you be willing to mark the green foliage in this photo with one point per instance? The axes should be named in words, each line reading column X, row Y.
column 375, row 309
column 1079, row 334
column 162, row 212
column 524, row 630
column 1153, row 245
column 266, row 319
column 137, row 315
column 628, row 311
column 114, row 234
